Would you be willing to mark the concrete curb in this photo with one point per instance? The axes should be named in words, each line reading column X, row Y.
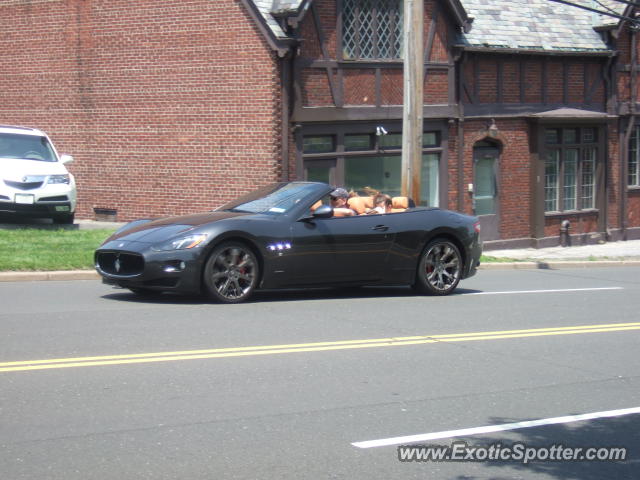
column 41, row 276
column 558, row 264
column 539, row 265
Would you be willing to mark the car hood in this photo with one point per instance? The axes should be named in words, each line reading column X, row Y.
column 16, row 168
column 163, row 228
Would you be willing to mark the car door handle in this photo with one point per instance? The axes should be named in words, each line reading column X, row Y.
column 380, row 228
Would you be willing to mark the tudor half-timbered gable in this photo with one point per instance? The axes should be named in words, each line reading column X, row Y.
column 348, row 94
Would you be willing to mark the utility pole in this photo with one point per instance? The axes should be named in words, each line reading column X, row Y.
column 413, row 86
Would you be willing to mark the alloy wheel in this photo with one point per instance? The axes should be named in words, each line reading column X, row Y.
column 440, row 268
column 231, row 273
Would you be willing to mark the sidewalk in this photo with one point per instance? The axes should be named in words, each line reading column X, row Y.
column 583, row 256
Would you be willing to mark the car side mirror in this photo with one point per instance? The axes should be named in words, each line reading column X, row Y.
column 64, row 158
column 324, row 211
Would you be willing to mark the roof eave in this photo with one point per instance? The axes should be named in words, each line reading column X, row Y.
column 532, row 51
column 280, row 45
column 460, row 14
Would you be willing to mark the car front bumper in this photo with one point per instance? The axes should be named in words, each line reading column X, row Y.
column 136, row 265
column 47, row 200
column 41, row 209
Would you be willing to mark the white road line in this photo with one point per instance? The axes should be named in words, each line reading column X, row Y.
column 385, row 442
column 546, row 291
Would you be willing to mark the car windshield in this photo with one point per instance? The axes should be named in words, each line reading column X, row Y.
column 273, row 199
column 26, row 147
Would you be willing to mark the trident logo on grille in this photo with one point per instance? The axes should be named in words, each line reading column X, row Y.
column 117, row 265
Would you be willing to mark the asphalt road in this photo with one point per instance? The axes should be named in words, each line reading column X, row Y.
column 283, row 387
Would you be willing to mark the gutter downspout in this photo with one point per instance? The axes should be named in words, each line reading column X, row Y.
column 460, row 159
column 285, row 107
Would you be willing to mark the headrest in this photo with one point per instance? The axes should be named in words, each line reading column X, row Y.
column 400, row 202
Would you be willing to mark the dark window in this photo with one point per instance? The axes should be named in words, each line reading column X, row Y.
column 322, row 144
column 390, row 141
column 430, row 139
column 394, row 140
column 357, row 142
column 372, row 29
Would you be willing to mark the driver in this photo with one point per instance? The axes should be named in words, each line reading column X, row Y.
column 339, row 199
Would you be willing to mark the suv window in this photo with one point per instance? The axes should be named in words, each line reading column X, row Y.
column 28, row 147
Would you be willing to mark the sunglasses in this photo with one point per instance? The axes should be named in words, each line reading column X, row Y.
column 334, row 198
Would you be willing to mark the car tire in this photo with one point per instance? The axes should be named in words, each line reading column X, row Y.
column 439, row 269
column 64, row 219
column 231, row 273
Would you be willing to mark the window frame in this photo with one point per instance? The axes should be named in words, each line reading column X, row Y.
column 340, row 131
column 561, row 151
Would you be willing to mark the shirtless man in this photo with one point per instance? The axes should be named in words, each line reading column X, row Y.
column 339, row 199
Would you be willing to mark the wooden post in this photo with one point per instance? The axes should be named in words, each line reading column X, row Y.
column 413, row 84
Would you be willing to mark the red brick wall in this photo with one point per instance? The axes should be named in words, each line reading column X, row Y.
column 317, row 91
column 533, row 82
column 168, row 107
column 511, row 82
column 436, row 87
column 555, row 88
column 633, row 214
column 391, row 88
column 487, row 81
column 580, row 223
column 489, row 66
column 439, row 50
column 514, row 166
column 360, row 86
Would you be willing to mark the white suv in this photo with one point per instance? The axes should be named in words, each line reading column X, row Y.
column 33, row 179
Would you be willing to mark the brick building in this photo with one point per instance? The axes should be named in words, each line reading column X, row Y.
column 171, row 107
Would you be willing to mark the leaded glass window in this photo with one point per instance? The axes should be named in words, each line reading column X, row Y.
column 588, row 177
column 570, row 179
column 551, row 181
column 372, row 29
column 634, row 152
column 570, row 169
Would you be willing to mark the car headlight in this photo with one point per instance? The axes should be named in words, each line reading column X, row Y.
column 181, row 243
column 59, row 179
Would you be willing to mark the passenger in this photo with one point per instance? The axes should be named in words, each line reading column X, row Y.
column 339, row 199
column 381, row 204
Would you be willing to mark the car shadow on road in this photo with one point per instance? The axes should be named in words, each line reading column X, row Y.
column 288, row 295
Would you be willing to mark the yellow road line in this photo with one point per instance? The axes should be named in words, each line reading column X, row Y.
column 55, row 363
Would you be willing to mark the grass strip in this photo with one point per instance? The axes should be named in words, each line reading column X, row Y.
column 490, row 259
column 31, row 249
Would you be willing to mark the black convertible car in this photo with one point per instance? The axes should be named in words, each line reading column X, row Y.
column 286, row 235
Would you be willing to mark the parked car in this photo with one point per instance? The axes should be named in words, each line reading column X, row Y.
column 34, row 179
column 286, row 235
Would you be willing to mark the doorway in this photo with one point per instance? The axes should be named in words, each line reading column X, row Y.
column 485, row 189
